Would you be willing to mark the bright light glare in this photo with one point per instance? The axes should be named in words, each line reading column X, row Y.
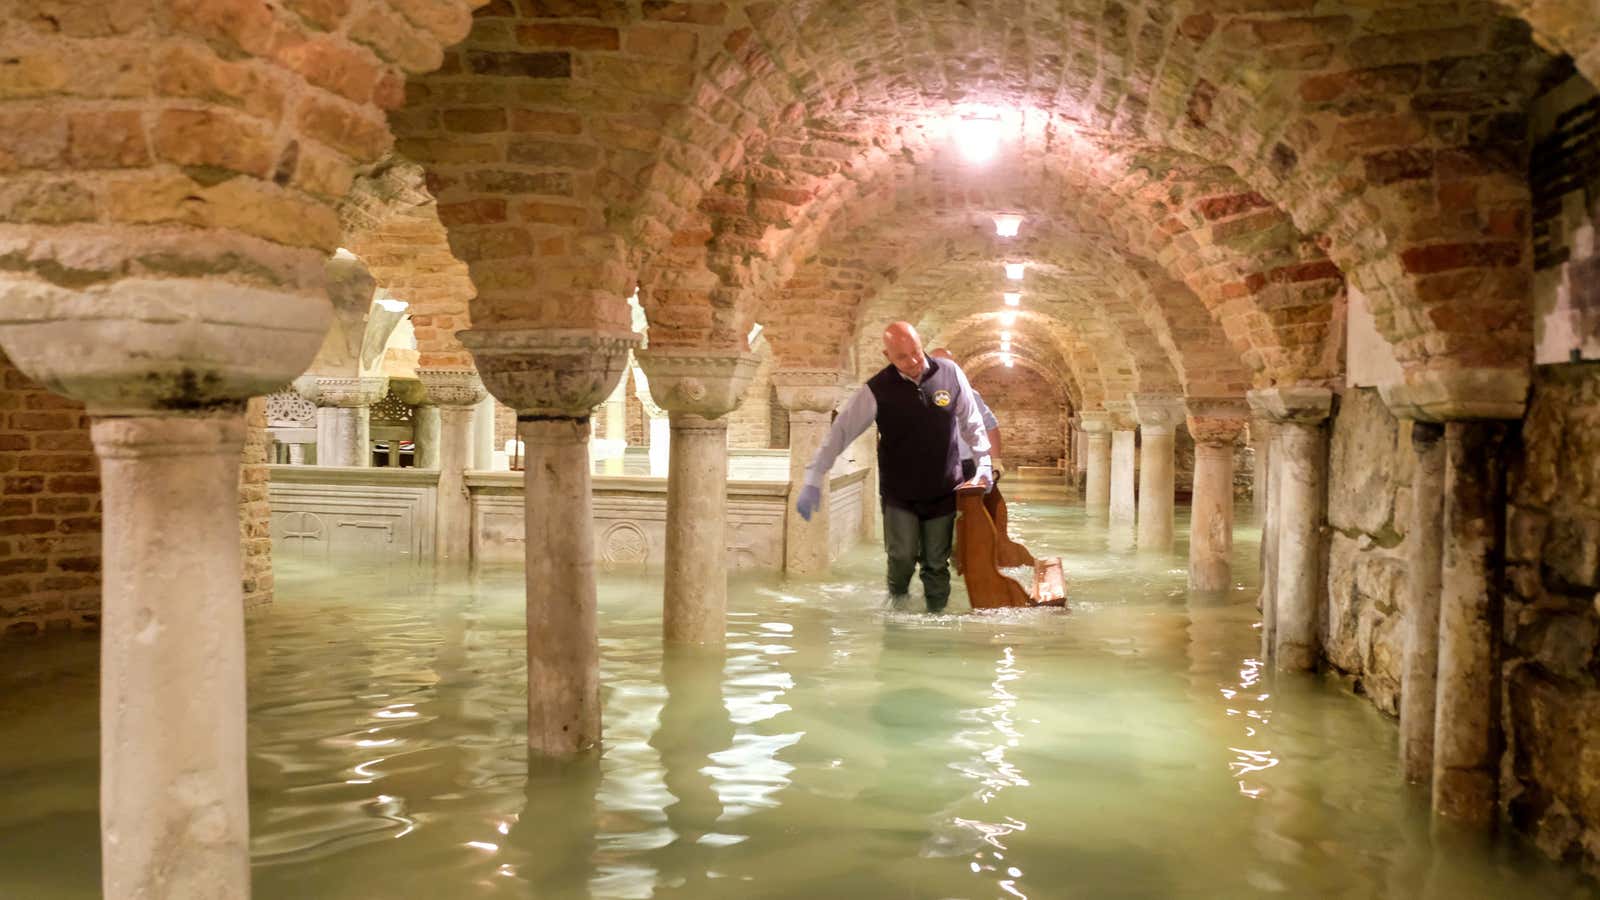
column 978, row 137
column 1006, row 358
column 1008, row 319
column 1013, row 298
column 1006, row 224
column 1005, row 335
column 1014, row 270
column 393, row 304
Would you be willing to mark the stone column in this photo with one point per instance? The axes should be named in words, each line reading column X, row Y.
column 164, row 368
column 866, row 448
column 1467, row 739
column 1300, row 458
column 426, row 435
column 1261, row 447
column 1097, row 462
column 1158, row 416
column 1122, row 509
column 554, row 378
column 810, row 396
column 483, row 435
column 1420, row 665
column 455, row 394
column 344, row 407
column 1216, row 423
column 697, row 388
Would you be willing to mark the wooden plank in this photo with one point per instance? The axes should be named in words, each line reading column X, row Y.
column 1049, row 583
column 977, row 542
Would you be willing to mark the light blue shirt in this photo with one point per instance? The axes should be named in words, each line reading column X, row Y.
column 990, row 423
column 861, row 410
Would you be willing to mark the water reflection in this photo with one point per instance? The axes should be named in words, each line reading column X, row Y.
column 1134, row 747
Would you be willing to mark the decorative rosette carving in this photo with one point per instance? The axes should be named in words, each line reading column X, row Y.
column 289, row 408
column 550, row 371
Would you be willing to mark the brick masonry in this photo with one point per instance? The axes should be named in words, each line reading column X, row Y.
column 1031, row 413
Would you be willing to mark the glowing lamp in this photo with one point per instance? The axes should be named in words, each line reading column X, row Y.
column 1005, row 336
column 1008, row 319
column 1008, row 362
column 1006, row 224
column 1006, row 358
column 978, row 137
column 1013, row 298
column 1014, row 270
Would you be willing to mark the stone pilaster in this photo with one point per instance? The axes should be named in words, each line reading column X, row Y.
column 1424, row 569
column 344, row 416
column 1300, row 461
column 697, row 388
column 810, row 396
column 1122, row 510
column 1159, row 416
column 1261, row 448
column 454, row 393
column 1097, row 461
column 554, row 378
column 164, row 369
column 1216, row 424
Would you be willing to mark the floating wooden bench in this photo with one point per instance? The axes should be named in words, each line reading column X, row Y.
column 983, row 548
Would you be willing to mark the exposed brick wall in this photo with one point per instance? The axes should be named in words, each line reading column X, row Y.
column 750, row 426
column 49, row 510
column 1031, row 413
column 1564, row 173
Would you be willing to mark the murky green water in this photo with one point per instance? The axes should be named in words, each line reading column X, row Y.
column 1130, row 748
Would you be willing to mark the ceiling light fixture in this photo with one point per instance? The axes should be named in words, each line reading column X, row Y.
column 1013, row 298
column 1008, row 318
column 1006, row 224
column 977, row 136
column 1014, row 270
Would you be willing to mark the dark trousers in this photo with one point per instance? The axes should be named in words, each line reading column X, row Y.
column 908, row 541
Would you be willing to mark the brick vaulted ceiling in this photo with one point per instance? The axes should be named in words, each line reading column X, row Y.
column 1203, row 180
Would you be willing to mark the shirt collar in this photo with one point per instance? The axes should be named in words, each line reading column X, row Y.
column 929, row 365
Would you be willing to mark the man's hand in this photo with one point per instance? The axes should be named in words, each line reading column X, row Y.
column 810, row 498
column 998, row 467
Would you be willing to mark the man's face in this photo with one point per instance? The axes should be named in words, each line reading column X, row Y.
column 905, row 355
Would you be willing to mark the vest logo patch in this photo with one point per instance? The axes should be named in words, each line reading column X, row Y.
column 941, row 399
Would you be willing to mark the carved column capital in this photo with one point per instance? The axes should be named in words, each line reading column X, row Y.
column 1217, row 420
column 811, row 390
column 550, row 371
column 451, row 387
column 1157, row 413
column 343, row 393
column 1095, row 421
column 1297, row 405
column 1445, row 395
column 704, row 383
column 1121, row 412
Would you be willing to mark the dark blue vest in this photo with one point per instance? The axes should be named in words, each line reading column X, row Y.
column 919, row 460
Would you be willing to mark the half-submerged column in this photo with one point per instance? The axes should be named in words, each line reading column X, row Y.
column 1097, row 461
column 1216, row 424
column 1261, row 451
column 164, row 367
column 1300, row 459
column 1122, row 508
column 1424, row 568
column 1467, row 738
column 455, row 394
column 344, row 416
column 553, row 378
column 697, row 388
column 810, row 396
column 1159, row 416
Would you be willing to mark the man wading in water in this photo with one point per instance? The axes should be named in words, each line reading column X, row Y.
column 921, row 406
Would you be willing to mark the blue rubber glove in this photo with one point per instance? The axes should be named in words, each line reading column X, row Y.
column 810, row 498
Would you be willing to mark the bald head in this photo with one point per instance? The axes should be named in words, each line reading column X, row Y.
column 902, row 346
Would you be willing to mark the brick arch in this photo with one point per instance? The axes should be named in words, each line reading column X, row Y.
column 392, row 223
column 209, row 139
column 983, row 362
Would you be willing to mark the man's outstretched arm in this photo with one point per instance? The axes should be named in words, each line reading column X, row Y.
column 858, row 413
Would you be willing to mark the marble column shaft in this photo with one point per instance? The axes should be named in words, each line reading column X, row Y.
column 697, row 387
column 455, row 393
column 1159, row 416
column 173, row 800
column 344, row 436
column 1097, row 475
column 563, row 641
column 1261, row 447
column 805, row 544
column 1216, row 424
column 1425, row 559
column 1269, row 548
column 1467, row 739
column 695, row 607
column 1122, row 509
column 426, row 436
